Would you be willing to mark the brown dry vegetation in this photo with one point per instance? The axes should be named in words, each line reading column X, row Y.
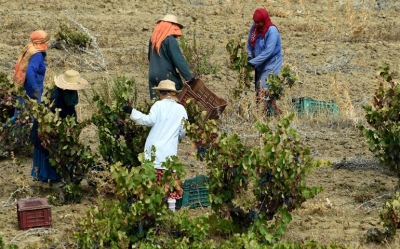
column 334, row 47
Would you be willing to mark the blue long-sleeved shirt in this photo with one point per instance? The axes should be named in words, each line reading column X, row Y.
column 266, row 54
column 35, row 73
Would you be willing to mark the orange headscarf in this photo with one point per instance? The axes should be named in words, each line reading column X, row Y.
column 163, row 30
column 39, row 43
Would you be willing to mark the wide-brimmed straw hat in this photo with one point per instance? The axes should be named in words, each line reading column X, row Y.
column 166, row 85
column 71, row 80
column 172, row 19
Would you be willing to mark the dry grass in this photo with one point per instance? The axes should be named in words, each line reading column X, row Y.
column 346, row 107
column 240, row 116
column 341, row 20
column 320, row 206
column 20, row 181
column 386, row 31
column 279, row 12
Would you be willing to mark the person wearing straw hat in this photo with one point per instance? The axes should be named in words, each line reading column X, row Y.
column 65, row 94
column 65, row 97
column 165, row 56
column 166, row 121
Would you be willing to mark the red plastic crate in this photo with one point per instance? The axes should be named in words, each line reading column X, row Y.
column 204, row 97
column 33, row 213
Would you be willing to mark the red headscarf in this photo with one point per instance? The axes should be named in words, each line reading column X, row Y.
column 260, row 15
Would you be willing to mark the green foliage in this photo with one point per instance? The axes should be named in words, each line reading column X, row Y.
column 179, row 230
column 250, row 240
column 390, row 214
column 281, row 165
column 14, row 134
column 201, row 133
column 275, row 171
column 122, row 140
column 140, row 201
column 71, row 36
column 238, row 58
column 73, row 193
column 60, row 137
column 6, row 98
column 198, row 56
column 383, row 117
column 10, row 246
column 277, row 83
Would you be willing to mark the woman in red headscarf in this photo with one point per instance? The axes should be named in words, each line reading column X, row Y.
column 264, row 51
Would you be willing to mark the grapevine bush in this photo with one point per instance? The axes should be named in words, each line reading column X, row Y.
column 383, row 133
column 238, row 58
column 274, row 173
column 70, row 157
column 121, row 139
column 14, row 133
column 139, row 204
column 390, row 214
column 197, row 56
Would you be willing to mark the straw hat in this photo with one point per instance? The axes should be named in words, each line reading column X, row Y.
column 166, row 85
column 71, row 80
column 172, row 19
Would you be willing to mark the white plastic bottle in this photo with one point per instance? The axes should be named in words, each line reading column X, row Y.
column 171, row 204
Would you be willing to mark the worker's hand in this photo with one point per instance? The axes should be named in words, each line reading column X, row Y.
column 127, row 109
column 250, row 65
column 191, row 81
column 35, row 94
column 249, row 58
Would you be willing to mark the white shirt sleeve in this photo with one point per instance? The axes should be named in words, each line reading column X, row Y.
column 143, row 119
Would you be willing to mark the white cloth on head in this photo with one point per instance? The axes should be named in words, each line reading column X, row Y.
column 166, row 119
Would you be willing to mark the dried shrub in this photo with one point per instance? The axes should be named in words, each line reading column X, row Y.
column 71, row 36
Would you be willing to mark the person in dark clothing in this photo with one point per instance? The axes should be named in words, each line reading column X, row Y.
column 165, row 56
column 65, row 97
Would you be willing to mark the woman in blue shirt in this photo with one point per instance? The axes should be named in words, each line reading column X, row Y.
column 29, row 73
column 264, row 49
column 30, row 68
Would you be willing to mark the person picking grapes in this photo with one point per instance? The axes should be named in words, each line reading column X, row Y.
column 165, row 118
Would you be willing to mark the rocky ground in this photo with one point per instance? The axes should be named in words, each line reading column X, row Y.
column 334, row 47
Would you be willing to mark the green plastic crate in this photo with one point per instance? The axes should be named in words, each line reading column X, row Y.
column 309, row 106
column 194, row 193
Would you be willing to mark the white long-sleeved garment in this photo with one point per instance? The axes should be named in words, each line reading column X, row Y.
column 166, row 119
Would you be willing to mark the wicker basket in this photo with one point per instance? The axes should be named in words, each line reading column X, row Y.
column 205, row 99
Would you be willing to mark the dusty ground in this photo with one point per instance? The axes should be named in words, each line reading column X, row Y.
column 335, row 47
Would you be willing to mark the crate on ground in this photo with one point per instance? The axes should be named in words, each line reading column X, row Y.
column 195, row 193
column 205, row 99
column 309, row 106
column 33, row 213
